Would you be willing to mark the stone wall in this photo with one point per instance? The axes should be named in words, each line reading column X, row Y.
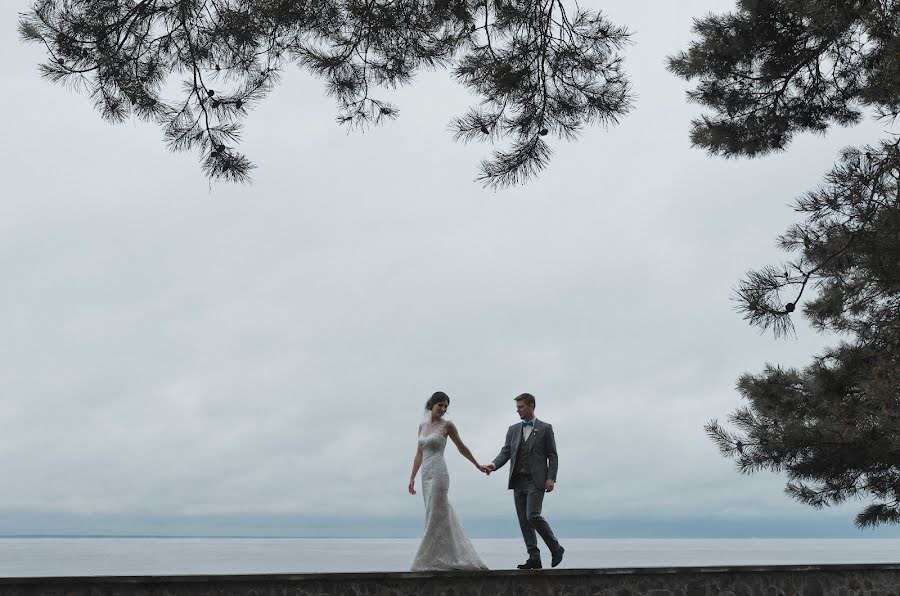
column 841, row 580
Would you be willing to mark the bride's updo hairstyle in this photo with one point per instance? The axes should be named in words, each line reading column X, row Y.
column 437, row 398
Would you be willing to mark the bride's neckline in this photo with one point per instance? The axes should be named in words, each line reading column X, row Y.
column 435, row 428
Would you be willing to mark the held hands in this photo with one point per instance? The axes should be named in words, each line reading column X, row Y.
column 486, row 468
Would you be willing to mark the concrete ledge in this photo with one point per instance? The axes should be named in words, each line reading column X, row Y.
column 778, row 580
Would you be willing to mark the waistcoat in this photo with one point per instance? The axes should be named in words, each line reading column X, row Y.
column 521, row 460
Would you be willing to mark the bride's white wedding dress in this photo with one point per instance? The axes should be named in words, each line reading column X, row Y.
column 445, row 545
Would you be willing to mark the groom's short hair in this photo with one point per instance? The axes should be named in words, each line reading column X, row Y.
column 527, row 398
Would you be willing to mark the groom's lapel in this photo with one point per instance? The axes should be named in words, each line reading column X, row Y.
column 517, row 438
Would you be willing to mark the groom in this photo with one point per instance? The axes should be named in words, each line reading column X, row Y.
column 530, row 450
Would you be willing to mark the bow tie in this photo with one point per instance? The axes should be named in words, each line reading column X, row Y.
column 528, row 423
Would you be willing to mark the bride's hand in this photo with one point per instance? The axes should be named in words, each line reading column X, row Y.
column 412, row 489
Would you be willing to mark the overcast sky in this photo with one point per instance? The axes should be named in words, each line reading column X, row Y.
column 179, row 350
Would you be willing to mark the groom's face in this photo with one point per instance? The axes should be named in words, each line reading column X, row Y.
column 526, row 411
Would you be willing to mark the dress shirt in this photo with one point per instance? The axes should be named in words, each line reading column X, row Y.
column 527, row 430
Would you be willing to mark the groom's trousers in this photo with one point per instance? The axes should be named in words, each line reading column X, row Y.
column 529, row 500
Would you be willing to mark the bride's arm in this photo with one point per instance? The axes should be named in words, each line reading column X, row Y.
column 454, row 436
column 417, row 462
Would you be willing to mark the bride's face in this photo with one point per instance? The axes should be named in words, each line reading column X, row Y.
column 439, row 409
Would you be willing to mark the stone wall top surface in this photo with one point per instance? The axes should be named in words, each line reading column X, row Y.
column 393, row 575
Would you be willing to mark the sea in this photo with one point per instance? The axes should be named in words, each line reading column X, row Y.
column 63, row 557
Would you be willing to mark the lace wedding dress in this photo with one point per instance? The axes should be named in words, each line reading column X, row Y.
column 445, row 545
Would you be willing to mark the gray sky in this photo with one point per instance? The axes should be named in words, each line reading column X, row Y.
column 173, row 348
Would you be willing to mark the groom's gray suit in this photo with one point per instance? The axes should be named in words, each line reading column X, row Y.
column 531, row 464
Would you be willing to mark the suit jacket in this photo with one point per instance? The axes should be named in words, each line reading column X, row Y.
column 540, row 449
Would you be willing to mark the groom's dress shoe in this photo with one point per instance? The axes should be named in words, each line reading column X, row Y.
column 530, row 564
column 557, row 557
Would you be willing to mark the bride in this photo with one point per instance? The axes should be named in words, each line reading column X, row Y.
column 445, row 545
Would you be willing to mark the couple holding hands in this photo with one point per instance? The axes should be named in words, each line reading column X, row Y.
column 530, row 448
